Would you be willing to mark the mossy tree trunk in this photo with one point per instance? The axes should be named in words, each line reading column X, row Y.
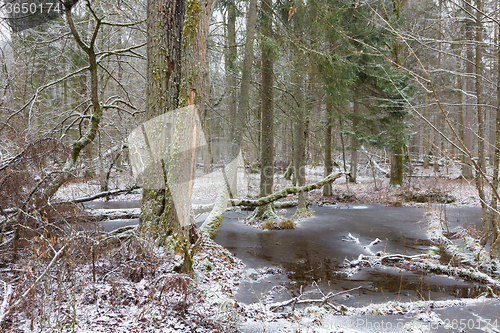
column 165, row 22
column 95, row 119
column 176, row 74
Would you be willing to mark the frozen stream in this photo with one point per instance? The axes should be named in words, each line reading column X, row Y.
column 314, row 251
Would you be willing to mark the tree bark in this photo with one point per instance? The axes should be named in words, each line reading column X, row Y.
column 231, row 65
column 299, row 126
column 165, row 22
column 397, row 152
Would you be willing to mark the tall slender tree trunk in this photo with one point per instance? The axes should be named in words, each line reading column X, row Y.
column 299, row 136
column 439, row 120
column 299, row 125
column 327, row 189
column 299, row 158
column 230, row 63
column 267, row 114
column 480, row 118
column 496, row 165
column 469, row 87
column 212, row 224
column 426, row 134
column 397, row 152
column 354, row 142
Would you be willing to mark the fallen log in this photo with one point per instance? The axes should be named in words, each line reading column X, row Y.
column 286, row 192
column 233, row 203
column 111, row 214
column 9, row 211
column 211, row 225
column 105, row 194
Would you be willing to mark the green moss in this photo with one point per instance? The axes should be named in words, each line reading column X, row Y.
column 191, row 21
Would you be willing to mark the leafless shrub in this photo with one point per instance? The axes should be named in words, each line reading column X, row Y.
column 177, row 289
column 24, row 204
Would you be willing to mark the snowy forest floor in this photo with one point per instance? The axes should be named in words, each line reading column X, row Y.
column 107, row 283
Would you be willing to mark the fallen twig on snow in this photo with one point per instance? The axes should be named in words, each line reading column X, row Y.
column 296, row 300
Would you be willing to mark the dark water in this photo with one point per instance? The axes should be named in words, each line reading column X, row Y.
column 314, row 251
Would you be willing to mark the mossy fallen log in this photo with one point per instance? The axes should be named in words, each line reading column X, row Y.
column 211, row 225
column 286, row 192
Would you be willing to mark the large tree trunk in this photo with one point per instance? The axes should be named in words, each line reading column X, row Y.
column 397, row 152
column 267, row 114
column 212, row 224
column 396, row 167
column 165, row 21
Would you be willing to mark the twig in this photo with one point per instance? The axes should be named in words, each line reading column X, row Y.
column 26, row 293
